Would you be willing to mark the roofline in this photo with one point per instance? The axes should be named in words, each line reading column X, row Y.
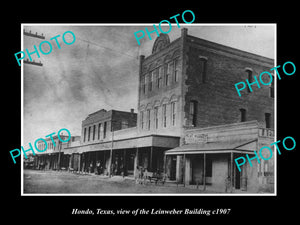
column 232, row 50
column 108, row 111
column 214, row 151
column 214, row 46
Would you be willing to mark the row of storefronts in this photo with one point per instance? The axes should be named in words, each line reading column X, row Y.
column 205, row 157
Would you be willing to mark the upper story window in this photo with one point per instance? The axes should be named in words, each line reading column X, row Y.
column 202, row 66
column 193, row 112
column 243, row 115
column 104, row 129
column 176, row 70
column 89, row 133
column 169, row 73
column 156, row 117
column 142, row 119
column 94, row 132
column 268, row 120
column 99, row 130
column 164, row 112
column 143, row 83
column 249, row 77
column 124, row 124
column 150, row 87
column 148, row 119
column 173, row 110
column 84, row 134
column 159, row 77
column 271, row 88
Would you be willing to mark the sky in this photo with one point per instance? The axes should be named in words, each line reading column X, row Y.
column 100, row 69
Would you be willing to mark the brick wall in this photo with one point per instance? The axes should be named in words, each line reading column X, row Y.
column 114, row 120
column 165, row 94
column 218, row 100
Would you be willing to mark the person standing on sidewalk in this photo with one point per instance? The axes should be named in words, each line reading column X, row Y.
column 98, row 167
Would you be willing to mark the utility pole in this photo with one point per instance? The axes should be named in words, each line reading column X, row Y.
column 112, row 144
column 36, row 35
column 33, row 62
column 59, row 152
column 33, row 35
column 111, row 148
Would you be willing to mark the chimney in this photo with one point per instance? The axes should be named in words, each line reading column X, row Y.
column 132, row 110
column 184, row 31
column 142, row 58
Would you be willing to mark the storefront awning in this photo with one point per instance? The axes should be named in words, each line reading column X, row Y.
column 162, row 141
column 245, row 146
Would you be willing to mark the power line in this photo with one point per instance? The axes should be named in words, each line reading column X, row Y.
column 113, row 50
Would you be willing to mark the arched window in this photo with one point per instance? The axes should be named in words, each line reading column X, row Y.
column 176, row 70
column 151, row 78
column 148, row 119
column 169, row 72
column 173, row 113
column 142, row 119
column 159, row 77
column 164, row 112
column 156, row 117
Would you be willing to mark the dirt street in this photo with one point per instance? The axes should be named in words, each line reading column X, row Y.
column 54, row 182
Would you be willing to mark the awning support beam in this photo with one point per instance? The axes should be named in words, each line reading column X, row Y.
column 204, row 171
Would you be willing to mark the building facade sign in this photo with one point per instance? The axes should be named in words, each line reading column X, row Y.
column 193, row 138
column 265, row 132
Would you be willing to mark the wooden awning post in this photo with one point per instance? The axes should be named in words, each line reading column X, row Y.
column 204, row 171
column 184, row 165
column 231, row 171
column 165, row 164
column 136, row 162
column 151, row 158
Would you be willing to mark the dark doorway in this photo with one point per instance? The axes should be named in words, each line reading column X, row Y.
column 173, row 168
column 130, row 154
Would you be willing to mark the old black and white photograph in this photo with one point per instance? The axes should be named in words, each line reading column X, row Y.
column 149, row 109
column 149, row 112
